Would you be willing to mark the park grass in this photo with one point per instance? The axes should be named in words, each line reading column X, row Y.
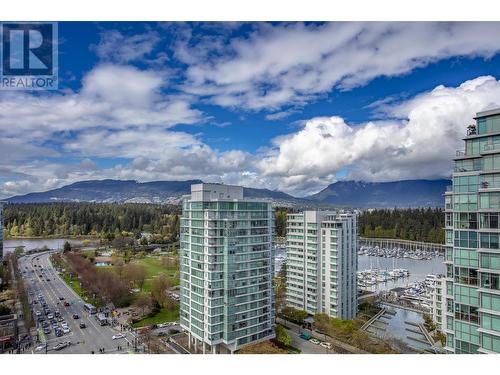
column 153, row 268
column 75, row 285
column 162, row 316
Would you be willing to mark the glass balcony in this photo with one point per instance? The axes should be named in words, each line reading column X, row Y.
column 488, row 147
column 460, row 153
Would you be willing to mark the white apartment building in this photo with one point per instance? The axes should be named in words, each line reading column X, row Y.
column 227, row 265
column 322, row 262
column 438, row 303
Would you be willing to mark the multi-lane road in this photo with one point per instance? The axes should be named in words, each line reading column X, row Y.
column 55, row 292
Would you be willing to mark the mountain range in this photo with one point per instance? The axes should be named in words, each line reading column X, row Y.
column 408, row 193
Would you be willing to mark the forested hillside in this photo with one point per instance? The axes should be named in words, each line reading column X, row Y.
column 103, row 219
column 82, row 219
column 417, row 224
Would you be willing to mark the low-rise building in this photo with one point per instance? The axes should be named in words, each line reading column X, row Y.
column 9, row 332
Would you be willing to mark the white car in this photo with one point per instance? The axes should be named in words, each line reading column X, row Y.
column 326, row 345
column 64, row 324
column 66, row 329
column 315, row 342
column 40, row 347
column 38, row 313
column 118, row 336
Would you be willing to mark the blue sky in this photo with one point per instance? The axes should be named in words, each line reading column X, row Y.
column 287, row 106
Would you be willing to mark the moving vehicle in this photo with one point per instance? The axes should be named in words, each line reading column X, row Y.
column 66, row 303
column 101, row 319
column 40, row 347
column 76, row 316
column 62, row 345
column 89, row 308
column 82, row 325
column 315, row 341
column 118, row 336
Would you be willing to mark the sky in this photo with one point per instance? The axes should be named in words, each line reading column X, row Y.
column 286, row 106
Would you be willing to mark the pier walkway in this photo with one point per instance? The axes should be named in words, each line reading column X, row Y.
column 403, row 244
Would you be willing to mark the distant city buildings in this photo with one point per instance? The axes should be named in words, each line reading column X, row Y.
column 227, row 265
column 322, row 262
column 472, row 230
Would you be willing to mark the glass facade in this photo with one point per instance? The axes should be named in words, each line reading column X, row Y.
column 227, row 264
column 472, row 236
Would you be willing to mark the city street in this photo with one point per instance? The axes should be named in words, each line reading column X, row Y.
column 83, row 340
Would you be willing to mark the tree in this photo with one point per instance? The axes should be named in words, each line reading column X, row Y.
column 144, row 302
column 159, row 287
column 66, row 247
column 282, row 336
column 135, row 274
column 19, row 250
column 293, row 314
column 118, row 266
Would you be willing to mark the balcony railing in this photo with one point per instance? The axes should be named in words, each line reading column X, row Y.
column 460, row 153
column 491, row 146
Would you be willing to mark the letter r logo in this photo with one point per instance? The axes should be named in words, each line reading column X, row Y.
column 27, row 49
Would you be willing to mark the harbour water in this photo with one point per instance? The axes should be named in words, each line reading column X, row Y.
column 38, row 243
column 419, row 269
column 401, row 324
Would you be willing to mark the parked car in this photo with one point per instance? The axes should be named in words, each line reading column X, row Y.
column 305, row 336
column 326, row 345
column 66, row 329
column 314, row 341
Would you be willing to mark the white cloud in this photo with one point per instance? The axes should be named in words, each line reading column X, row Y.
column 419, row 143
column 111, row 96
column 291, row 64
column 118, row 48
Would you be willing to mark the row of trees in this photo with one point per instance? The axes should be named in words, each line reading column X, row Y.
column 107, row 286
column 415, row 224
column 91, row 219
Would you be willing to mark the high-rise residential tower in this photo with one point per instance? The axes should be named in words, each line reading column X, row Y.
column 322, row 262
column 472, row 229
column 227, row 265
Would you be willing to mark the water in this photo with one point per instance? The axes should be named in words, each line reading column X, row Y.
column 38, row 243
column 397, row 327
column 419, row 269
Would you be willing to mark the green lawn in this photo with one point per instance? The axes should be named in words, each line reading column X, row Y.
column 162, row 317
column 75, row 285
column 153, row 268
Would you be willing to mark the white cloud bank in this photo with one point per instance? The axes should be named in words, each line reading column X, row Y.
column 420, row 143
column 291, row 64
